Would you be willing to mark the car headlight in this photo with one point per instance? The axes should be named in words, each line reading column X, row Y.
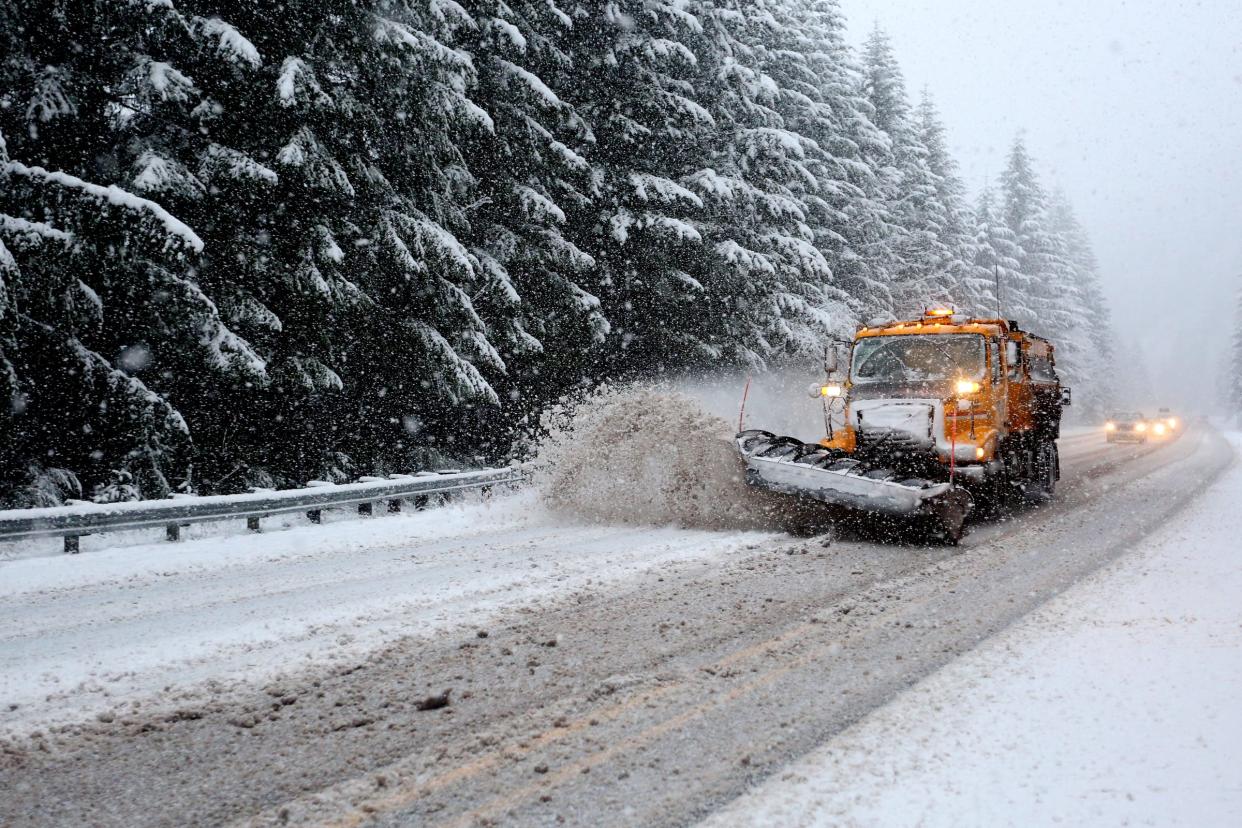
column 1110, row 426
column 1172, row 422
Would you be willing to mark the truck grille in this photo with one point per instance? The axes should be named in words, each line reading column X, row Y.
column 890, row 439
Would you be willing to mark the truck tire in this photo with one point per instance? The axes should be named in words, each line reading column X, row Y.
column 1043, row 473
column 1047, row 468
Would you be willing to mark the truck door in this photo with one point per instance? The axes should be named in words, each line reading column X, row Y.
column 1000, row 394
column 1020, row 412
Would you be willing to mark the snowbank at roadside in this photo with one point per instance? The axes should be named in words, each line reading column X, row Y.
column 1117, row 703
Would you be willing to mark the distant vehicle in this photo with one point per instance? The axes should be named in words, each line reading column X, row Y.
column 1128, row 427
column 1169, row 419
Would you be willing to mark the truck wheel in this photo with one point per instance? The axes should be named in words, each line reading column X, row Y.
column 1048, row 467
column 1044, row 473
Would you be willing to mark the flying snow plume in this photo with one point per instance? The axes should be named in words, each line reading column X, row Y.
column 650, row 456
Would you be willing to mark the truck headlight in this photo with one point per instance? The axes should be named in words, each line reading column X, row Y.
column 1110, row 426
column 831, row 390
column 1140, row 427
column 967, row 387
column 1159, row 428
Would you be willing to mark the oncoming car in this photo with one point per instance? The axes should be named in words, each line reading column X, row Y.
column 1170, row 421
column 1129, row 426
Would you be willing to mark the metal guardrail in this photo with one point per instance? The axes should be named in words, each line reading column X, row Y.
column 84, row 518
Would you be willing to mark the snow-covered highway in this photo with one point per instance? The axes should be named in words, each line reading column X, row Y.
column 282, row 677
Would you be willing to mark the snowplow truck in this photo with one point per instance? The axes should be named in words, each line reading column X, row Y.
column 931, row 418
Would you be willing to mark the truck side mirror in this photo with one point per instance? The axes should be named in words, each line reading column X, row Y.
column 1066, row 396
column 832, row 359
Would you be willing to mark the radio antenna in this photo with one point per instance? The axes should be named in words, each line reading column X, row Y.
column 996, row 278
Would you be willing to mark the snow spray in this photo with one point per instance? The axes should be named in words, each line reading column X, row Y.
column 643, row 455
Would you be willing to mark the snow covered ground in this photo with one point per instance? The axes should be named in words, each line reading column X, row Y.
column 85, row 633
column 1117, row 703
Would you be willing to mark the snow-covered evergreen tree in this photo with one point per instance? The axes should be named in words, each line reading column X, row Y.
column 767, row 222
column 1023, row 208
column 533, row 175
column 75, row 402
column 119, row 330
column 178, row 152
column 996, row 262
column 634, row 86
column 860, row 246
column 420, row 356
column 1093, row 336
column 339, row 202
column 925, row 267
column 969, row 287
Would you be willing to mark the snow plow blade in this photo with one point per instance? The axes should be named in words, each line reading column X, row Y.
column 789, row 466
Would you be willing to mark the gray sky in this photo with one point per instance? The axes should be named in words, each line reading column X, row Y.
column 1134, row 109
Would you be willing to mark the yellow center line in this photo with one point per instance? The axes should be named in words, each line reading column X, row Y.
column 516, row 796
column 410, row 792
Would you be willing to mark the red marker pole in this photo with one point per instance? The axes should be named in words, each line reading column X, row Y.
column 741, row 415
column 952, row 442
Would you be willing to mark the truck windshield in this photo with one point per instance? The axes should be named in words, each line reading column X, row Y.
column 918, row 358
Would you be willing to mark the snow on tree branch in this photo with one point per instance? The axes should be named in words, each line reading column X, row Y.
column 179, row 235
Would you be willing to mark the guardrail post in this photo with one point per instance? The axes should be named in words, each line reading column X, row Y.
column 252, row 523
column 72, row 546
column 316, row 515
column 369, row 508
column 420, row 502
column 172, row 531
column 394, row 506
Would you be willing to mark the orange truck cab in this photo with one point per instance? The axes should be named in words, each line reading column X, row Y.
column 979, row 397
